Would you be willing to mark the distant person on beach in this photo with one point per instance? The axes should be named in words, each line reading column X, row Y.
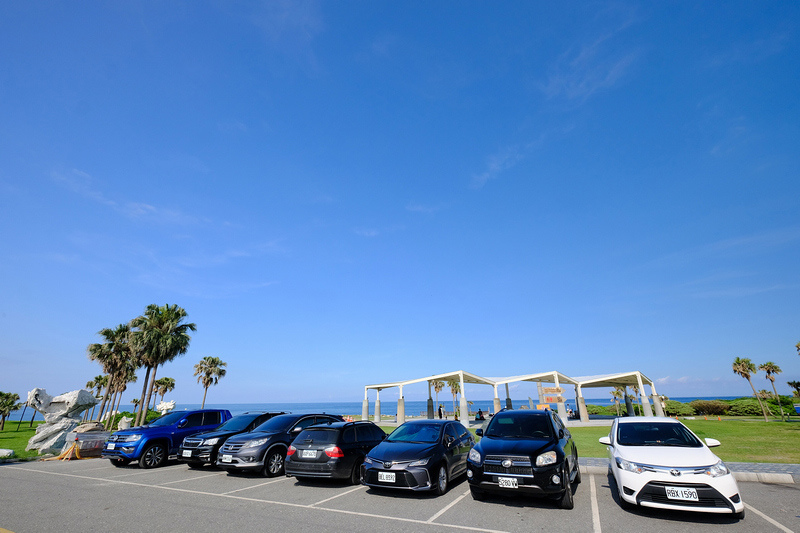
column 440, row 411
column 479, row 416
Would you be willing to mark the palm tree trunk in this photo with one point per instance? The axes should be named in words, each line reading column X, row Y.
column 763, row 411
column 150, row 390
column 153, row 386
column 778, row 398
column 204, row 398
column 139, row 417
column 110, row 421
column 105, row 399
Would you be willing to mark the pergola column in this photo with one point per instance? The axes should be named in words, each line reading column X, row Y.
column 378, row 407
column 581, row 404
column 508, row 398
column 365, row 406
column 562, row 410
column 648, row 411
column 657, row 401
column 401, row 408
column 496, row 400
column 430, row 402
column 464, row 407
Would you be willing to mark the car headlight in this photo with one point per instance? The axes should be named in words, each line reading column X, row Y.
column 547, row 458
column 255, row 443
column 474, row 456
column 133, row 438
column 368, row 460
column 421, row 462
column 717, row 470
column 629, row 466
column 210, row 442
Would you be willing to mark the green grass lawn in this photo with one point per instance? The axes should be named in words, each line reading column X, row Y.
column 747, row 441
column 11, row 439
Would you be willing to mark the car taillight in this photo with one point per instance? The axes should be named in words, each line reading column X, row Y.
column 291, row 450
column 334, row 451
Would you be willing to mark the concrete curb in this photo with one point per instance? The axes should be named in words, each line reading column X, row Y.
column 761, row 477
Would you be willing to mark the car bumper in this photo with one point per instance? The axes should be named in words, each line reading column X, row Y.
column 404, row 478
column 329, row 469
column 196, row 455
column 539, row 482
column 249, row 460
column 121, row 451
column 715, row 495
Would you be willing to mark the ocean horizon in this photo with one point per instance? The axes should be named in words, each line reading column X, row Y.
column 388, row 407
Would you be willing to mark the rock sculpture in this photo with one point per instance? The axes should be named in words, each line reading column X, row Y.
column 165, row 407
column 125, row 422
column 61, row 413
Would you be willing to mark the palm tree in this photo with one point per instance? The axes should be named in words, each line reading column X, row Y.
column 160, row 337
column 209, row 371
column 455, row 388
column 9, row 401
column 438, row 386
column 164, row 385
column 116, row 359
column 745, row 368
column 773, row 370
column 618, row 393
column 635, row 390
column 796, row 386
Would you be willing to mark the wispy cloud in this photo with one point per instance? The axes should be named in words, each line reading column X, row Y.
column 422, row 208
column 745, row 244
column 291, row 27
column 753, row 51
column 367, row 232
column 497, row 164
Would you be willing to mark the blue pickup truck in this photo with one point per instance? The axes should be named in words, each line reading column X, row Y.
column 153, row 443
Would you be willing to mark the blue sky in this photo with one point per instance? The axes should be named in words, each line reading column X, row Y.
column 348, row 193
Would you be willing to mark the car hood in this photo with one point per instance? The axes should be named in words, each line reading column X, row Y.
column 524, row 447
column 402, row 451
column 250, row 436
column 670, row 456
column 212, row 434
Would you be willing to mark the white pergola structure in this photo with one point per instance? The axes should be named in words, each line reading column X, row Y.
column 556, row 378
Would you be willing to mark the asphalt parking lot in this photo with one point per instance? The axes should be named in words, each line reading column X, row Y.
column 92, row 495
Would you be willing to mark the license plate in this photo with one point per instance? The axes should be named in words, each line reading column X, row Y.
column 187, row 453
column 682, row 493
column 309, row 454
column 226, row 458
column 111, row 445
column 508, row 482
column 386, row 477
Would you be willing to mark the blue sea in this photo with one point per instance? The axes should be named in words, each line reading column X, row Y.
column 413, row 407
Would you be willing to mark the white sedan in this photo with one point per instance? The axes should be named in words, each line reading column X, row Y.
column 659, row 462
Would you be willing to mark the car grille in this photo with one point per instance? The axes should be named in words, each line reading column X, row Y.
column 231, row 447
column 520, row 465
column 708, row 496
column 192, row 443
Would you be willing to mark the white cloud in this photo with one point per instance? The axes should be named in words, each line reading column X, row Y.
column 497, row 164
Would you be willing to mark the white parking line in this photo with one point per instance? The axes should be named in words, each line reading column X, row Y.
column 254, row 486
column 595, row 508
column 259, row 500
column 192, row 478
column 338, row 495
column 448, row 506
column 768, row 519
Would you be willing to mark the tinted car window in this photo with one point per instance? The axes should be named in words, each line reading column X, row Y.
column 318, row 436
column 461, row 430
column 349, row 435
column 278, row 423
column 211, row 418
column 656, row 434
column 450, row 432
column 377, row 433
column 238, row 423
column 194, row 420
column 509, row 426
column 416, row 433
column 166, row 420
column 306, row 422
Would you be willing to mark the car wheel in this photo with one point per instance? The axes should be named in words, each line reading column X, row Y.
column 273, row 464
column 119, row 463
column 441, row 480
column 577, row 472
column 566, row 501
column 355, row 475
column 477, row 494
column 153, row 456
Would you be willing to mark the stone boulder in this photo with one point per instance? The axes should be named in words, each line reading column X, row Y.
column 61, row 414
column 6, row 454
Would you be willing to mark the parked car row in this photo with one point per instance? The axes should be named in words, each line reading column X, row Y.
column 655, row 462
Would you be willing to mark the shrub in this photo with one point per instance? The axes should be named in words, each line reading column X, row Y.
column 746, row 407
column 676, row 408
column 709, row 407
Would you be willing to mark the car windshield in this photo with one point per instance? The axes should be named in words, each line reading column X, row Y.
column 656, row 434
column 238, row 423
column 415, row 433
column 278, row 423
column 318, row 436
column 517, row 426
column 167, row 420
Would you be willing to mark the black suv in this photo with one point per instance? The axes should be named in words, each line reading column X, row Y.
column 333, row 450
column 524, row 452
column 202, row 448
column 264, row 449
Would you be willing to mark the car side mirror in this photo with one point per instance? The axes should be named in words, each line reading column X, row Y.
column 182, row 423
column 712, row 442
column 605, row 440
column 297, row 430
column 448, row 440
column 560, row 433
column 479, row 432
